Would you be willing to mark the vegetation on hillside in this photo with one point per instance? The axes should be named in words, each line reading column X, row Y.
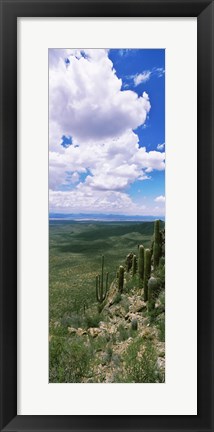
column 107, row 302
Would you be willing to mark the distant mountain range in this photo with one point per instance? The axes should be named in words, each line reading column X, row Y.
column 101, row 217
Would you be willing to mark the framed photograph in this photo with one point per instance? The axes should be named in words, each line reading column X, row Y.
column 106, row 215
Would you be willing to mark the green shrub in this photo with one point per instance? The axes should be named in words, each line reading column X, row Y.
column 74, row 320
column 117, row 298
column 140, row 363
column 93, row 320
column 113, row 338
column 109, row 352
column 98, row 343
column 123, row 333
column 132, row 333
column 116, row 359
column 131, row 284
column 69, row 360
column 107, row 356
column 125, row 304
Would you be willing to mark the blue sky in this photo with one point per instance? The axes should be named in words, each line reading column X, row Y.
column 107, row 131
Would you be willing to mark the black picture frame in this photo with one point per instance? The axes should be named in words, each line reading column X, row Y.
column 10, row 11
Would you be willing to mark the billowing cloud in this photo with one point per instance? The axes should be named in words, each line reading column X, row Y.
column 86, row 101
column 94, row 153
column 111, row 164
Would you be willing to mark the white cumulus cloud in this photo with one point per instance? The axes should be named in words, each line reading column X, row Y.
column 86, row 101
column 87, row 104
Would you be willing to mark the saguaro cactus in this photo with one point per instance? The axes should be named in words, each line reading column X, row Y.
column 121, row 279
column 101, row 291
column 157, row 244
column 153, row 287
column 134, row 265
column 141, row 265
column 134, row 324
column 147, row 272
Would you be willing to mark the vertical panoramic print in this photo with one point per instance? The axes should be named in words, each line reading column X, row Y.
column 106, row 215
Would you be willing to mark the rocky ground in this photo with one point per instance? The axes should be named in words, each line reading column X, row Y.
column 124, row 319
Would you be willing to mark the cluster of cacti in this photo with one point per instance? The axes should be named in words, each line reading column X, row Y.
column 101, row 288
column 147, row 272
column 141, row 265
column 121, row 279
